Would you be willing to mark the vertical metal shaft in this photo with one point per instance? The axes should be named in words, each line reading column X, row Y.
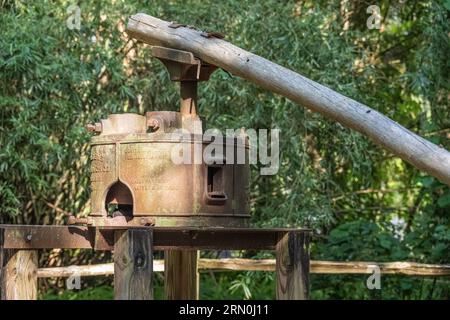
column 188, row 93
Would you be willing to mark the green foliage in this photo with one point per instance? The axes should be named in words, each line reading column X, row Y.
column 361, row 202
column 92, row 293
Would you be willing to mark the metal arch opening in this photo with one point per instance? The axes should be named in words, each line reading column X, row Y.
column 119, row 201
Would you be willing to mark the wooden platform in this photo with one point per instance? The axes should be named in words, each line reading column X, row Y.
column 133, row 256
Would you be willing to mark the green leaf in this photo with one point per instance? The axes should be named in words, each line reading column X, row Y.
column 427, row 182
column 447, row 4
column 444, row 200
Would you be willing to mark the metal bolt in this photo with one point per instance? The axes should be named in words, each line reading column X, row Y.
column 147, row 221
column 94, row 127
column 90, row 127
column 153, row 124
column 139, row 260
column 29, row 237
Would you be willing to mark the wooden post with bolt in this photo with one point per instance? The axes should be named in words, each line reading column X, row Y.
column 133, row 264
column 292, row 266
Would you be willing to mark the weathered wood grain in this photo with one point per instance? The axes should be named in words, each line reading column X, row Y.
column 133, row 264
column 164, row 238
column 18, row 274
column 238, row 264
column 366, row 267
column 181, row 274
column 383, row 131
column 292, row 267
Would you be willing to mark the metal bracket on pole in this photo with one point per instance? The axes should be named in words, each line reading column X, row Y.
column 183, row 67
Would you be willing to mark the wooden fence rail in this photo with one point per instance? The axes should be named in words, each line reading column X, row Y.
column 319, row 267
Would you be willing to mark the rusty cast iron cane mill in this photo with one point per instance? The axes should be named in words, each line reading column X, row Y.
column 134, row 180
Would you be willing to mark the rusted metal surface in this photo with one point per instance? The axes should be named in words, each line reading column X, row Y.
column 102, row 238
column 137, row 170
column 134, row 180
column 182, row 65
column 114, row 221
column 188, row 97
column 40, row 237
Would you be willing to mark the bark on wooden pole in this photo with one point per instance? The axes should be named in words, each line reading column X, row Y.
column 292, row 266
column 385, row 132
column 181, row 274
column 133, row 264
column 18, row 273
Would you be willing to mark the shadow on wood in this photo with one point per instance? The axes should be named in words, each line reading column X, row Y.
column 292, row 266
column 133, row 264
column 181, row 274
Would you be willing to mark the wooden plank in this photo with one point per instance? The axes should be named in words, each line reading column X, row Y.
column 164, row 238
column 331, row 267
column 238, row 264
column 292, row 267
column 133, row 264
column 393, row 268
column 18, row 274
column 382, row 130
column 217, row 238
column 103, row 269
column 43, row 237
column 181, row 275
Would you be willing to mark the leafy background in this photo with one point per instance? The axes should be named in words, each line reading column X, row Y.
column 362, row 202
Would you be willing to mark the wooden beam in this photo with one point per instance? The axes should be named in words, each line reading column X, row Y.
column 133, row 264
column 292, row 267
column 331, row 267
column 164, row 238
column 237, row 264
column 181, row 275
column 393, row 268
column 383, row 131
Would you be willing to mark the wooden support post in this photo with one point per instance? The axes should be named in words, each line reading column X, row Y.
column 18, row 273
column 292, row 266
column 133, row 264
column 181, row 274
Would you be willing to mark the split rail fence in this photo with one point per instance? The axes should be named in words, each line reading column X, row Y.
column 238, row 264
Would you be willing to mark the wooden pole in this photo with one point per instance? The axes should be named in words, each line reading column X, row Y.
column 18, row 273
column 133, row 264
column 292, row 266
column 383, row 131
column 181, row 274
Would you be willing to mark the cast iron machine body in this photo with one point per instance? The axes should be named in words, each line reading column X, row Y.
column 134, row 180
